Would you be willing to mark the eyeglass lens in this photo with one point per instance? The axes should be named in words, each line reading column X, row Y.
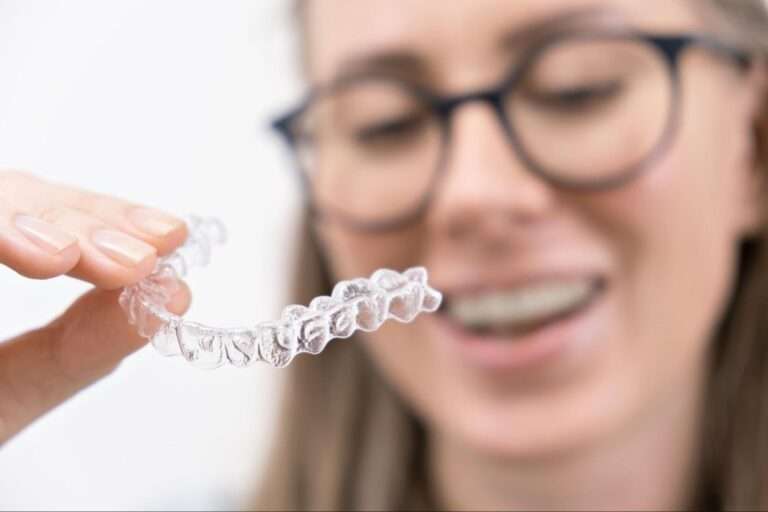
column 582, row 110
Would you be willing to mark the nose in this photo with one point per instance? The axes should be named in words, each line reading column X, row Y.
column 486, row 192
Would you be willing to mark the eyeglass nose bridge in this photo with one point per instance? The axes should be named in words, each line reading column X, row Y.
column 494, row 97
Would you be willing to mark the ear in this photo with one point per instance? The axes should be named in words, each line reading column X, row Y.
column 755, row 192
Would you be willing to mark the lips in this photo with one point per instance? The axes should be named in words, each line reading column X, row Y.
column 525, row 345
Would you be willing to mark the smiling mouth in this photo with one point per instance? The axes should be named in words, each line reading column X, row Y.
column 510, row 315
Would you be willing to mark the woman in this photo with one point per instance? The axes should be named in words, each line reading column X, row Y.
column 584, row 182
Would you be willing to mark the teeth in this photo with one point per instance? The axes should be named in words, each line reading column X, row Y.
column 522, row 306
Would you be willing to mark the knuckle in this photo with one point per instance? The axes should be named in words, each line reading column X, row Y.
column 16, row 175
column 101, row 203
column 72, row 196
column 52, row 214
column 74, row 367
column 92, row 204
column 84, row 203
column 9, row 408
column 53, row 352
column 5, row 432
column 13, row 181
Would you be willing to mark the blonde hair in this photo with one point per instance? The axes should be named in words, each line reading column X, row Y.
column 346, row 441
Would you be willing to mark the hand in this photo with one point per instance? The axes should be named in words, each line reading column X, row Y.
column 47, row 230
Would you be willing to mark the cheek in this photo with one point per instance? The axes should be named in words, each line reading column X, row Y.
column 678, row 224
column 674, row 236
column 357, row 254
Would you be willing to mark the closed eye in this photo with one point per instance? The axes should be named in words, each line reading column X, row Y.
column 392, row 129
column 575, row 98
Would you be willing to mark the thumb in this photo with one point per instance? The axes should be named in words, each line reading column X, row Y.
column 44, row 367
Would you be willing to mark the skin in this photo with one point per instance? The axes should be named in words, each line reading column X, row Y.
column 41, row 368
column 614, row 426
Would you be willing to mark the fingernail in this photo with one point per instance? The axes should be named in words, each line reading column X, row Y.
column 46, row 236
column 122, row 248
column 153, row 222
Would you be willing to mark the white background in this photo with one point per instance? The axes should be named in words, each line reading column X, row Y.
column 164, row 102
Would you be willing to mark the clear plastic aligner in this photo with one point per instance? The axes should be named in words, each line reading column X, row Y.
column 358, row 304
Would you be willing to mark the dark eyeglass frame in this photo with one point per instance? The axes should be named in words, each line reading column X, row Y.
column 669, row 46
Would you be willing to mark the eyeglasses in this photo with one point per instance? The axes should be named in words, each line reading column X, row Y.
column 583, row 111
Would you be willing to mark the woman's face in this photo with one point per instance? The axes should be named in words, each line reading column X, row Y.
column 663, row 245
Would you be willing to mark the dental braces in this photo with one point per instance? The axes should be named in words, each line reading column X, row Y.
column 357, row 304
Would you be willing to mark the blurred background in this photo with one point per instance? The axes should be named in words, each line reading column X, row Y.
column 166, row 103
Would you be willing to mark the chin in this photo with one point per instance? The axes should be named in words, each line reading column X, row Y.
column 539, row 423
column 508, row 435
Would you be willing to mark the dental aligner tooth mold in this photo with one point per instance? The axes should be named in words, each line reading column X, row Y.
column 358, row 304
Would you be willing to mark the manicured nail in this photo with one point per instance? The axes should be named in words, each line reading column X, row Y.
column 122, row 248
column 153, row 222
column 48, row 237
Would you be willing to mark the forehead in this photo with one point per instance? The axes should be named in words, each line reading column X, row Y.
column 445, row 36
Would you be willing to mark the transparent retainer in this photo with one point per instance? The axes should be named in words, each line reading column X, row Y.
column 358, row 304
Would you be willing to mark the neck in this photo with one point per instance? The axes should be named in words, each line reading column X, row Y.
column 650, row 466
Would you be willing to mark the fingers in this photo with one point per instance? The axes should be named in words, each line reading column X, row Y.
column 48, row 230
column 42, row 368
column 162, row 231
column 35, row 248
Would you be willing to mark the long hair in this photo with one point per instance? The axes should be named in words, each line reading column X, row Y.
column 346, row 441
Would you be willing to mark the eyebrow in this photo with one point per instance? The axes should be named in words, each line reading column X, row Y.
column 398, row 61
column 572, row 19
column 404, row 62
